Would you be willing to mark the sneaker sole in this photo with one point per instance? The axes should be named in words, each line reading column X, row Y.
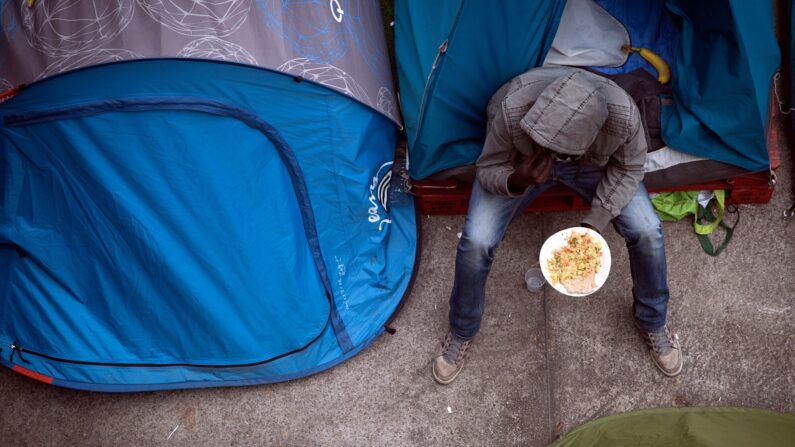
column 669, row 374
column 448, row 381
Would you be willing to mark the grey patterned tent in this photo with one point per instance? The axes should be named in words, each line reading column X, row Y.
column 337, row 43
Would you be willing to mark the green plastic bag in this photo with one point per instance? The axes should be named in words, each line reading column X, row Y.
column 708, row 209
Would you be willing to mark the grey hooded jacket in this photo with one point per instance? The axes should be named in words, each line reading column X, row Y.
column 570, row 111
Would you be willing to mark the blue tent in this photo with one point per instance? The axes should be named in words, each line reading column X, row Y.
column 453, row 55
column 186, row 222
column 791, row 59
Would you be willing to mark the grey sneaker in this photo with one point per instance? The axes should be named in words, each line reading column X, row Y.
column 664, row 350
column 450, row 362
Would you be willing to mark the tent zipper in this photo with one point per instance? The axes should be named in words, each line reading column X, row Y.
column 430, row 85
column 424, row 100
column 18, row 351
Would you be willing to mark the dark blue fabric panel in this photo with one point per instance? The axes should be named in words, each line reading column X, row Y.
column 649, row 25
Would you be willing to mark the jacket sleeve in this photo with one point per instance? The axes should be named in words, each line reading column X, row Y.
column 496, row 162
column 620, row 181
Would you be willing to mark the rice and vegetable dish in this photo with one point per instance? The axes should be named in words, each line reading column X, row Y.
column 580, row 258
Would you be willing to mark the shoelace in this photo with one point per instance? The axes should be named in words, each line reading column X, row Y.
column 454, row 348
column 661, row 342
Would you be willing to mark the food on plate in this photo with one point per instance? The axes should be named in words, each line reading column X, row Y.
column 581, row 285
column 576, row 264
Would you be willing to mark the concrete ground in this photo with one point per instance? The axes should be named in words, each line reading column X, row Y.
column 543, row 363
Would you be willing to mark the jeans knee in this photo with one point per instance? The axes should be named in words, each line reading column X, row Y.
column 651, row 236
column 477, row 247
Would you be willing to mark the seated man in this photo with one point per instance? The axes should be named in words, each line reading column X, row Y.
column 561, row 126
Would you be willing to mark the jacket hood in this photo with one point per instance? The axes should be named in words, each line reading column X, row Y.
column 568, row 114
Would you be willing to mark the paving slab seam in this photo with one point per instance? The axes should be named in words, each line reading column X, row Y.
column 550, row 421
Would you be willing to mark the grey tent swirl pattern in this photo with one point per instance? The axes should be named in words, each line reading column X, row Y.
column 62, row 27
column 327, row 75
column 215, row 48
column 199, row 17
column 337, row 43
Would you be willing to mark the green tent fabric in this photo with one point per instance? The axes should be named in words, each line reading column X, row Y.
column 686, row 427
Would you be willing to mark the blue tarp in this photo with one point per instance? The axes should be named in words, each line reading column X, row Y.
column 723, row 56
column 183, row 223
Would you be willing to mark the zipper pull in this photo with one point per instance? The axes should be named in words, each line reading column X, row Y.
column 442, row 50
column 16, row 349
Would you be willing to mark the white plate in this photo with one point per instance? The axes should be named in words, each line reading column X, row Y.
column 558, row 240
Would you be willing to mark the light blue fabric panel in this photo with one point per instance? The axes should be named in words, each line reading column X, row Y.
column 149, row 246
column 158, row 230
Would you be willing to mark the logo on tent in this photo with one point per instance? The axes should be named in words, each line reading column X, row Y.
column 379, row 196
column 336, row 10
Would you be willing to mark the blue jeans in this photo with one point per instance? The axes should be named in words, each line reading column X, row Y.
column 489, row 216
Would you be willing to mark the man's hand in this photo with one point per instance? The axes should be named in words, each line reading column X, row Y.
column 530, row 171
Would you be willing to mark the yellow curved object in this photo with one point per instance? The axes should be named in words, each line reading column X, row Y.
column 659, row 64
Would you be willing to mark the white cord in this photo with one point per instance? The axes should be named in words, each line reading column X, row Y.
column 778, row 98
